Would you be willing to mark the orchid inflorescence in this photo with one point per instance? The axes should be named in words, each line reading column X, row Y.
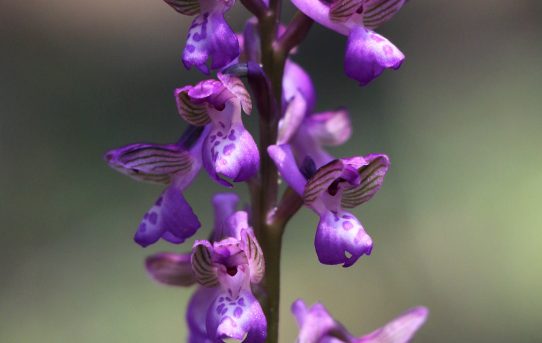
column 237, row 271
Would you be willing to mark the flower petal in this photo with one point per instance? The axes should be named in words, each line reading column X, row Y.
column 237, row 88
column 186, row 7
column 284, row 160
column 341, row 239
column 171, row 269
column 321, row 181
column 399, row 330
column 238, row 317
column 342, row 10
column 156, row 163
column 202, row 264
column 171, row 213
column 254, row 255
column 368, row 54
column 210, row 37
column 230, row 151
column 377, row 12
column 194, row 113
column 330, row 128
column 196, row 314
column 372, row 177
column 224, row 204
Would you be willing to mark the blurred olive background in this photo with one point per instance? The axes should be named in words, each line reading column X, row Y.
column 457, row 226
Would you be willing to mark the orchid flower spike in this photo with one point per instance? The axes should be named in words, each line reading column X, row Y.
column 229, row 150
column 210, row 40
column 175, row 165
column 367, row 53
column 317, row 326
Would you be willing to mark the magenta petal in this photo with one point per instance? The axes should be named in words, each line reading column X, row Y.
column 210, row 37
column 236, row 317
column 284, row 160
column 171, row 213
column 341, row 239
column 399, row 330
column 368, row 54
column 196, row 314
column 230, row 152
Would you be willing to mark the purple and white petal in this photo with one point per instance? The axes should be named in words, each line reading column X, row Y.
column 210, row 40
column 285, row 162
column 341, row 239
column 237, row 317
column 371, row 180
column 230, row 151
column 170, row 213
column 399, row 330
column 368, row 54
column 170, row 269
column 196, row 314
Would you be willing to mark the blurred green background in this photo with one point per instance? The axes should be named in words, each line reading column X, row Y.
column 457, row 226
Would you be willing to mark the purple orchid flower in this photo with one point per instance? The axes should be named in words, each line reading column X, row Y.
column 223, row 306
column 229, row 150
column 342, row 183
column 175, row 165
column 209, row 38
column 317, row 326
column 327, row 185
column 367, row 53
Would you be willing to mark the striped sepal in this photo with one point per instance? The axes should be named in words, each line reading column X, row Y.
column 237, row 88
column 202, row 265
column 377, row 12
column 341, row 10
column 186, row 7
column 151, row 162
column 321, row 180
column 254, row 255
column 195, row 114
column 372, row 177
column 171, row 269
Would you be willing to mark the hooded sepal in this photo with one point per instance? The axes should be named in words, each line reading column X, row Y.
column 371, row 180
